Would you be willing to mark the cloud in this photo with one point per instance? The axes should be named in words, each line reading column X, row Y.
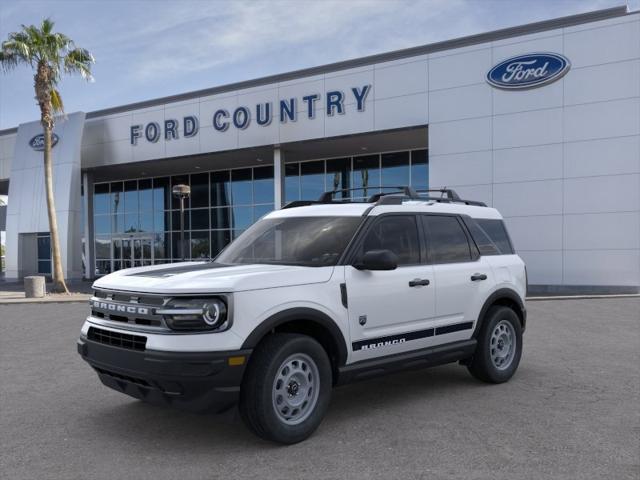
column 148, row 49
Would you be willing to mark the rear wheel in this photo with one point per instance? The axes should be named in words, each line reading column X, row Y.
column 499, row 346
column 287, row 387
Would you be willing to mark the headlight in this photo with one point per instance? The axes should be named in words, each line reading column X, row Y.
column 195, row 314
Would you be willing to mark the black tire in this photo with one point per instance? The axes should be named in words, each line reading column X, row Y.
column 482, row 366
column 257, row 403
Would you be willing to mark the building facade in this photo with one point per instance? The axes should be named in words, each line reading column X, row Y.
column 541, row 121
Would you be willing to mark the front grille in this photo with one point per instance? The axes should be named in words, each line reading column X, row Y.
column 131, row 308
column 117, row 339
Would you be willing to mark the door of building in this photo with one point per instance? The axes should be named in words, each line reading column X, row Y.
column 132, row 252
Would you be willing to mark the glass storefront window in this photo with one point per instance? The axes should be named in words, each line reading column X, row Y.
column 366, row 175
column 161, row 194
column 220, row 189
column 102, row 224
column 263, row 185
column 339, row 175
column 101, row 199
column 200, row 245
column 161, row 221
column 292, row 182
column 220, row 218
column 261, row 210
column 200, row 190
column 145, row 195
column 161, row 242
column 241, row 191
column 224, row 204
column 242, row 217
column 395, row 169
column 131, row 203
column 175, row 220
column 200, row 218
column 175, row 246
column 311, row 180
column 219, row 240
column 420, row 169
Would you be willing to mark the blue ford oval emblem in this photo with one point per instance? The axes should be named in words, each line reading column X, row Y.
column 528, row 71
column 37, row 142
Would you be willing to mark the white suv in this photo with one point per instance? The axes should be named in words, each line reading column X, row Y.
column 311, row 296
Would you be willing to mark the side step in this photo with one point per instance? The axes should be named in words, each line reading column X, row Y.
column 415, row 359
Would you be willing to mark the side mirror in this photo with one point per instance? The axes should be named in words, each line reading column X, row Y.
column 378, row 260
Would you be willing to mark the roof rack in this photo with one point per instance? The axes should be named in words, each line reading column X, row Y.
column 327, row 197
column 394, row 197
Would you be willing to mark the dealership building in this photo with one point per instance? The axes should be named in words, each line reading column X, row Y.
column 541, row 121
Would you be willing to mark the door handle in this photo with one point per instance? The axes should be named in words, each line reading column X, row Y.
column 478, row 276
column 419, row 282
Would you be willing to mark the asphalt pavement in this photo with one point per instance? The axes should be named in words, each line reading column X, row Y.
column 571, row 412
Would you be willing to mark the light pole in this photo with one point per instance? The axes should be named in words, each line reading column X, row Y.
column 182, row 192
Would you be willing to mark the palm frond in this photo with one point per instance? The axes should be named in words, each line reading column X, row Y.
column 56, row 101
column 79, row 60
column 8, row 60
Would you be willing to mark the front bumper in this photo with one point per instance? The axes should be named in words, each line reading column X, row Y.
column 194, row 381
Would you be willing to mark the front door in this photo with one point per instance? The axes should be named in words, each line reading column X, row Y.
column 389, row 311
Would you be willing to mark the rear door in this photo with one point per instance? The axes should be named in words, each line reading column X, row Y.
column 463, row 279
column 390, row 310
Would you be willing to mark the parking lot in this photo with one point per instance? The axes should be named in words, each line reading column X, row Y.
column 571, row 411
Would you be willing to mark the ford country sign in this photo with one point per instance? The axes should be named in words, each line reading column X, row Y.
column 37, row 142
column 528, row 71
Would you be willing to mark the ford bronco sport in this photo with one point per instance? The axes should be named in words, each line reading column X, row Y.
column 315, row 295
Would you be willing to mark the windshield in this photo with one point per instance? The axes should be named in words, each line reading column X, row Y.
column 308, row 241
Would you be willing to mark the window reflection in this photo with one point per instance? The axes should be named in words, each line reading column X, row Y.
column 311, row 180
column 395, row 169
column 292, row 182
column 220, row 189
column 338, row 176
column 225, row 203
column 420, row 169
column 366, row 175
column 241, row 191
column 263, row 185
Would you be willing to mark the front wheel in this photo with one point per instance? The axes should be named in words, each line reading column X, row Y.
column 287, row 387
column 499, row 346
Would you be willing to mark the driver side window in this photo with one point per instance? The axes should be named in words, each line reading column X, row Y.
column 397, row 233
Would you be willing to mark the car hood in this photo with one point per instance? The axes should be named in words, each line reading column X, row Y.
column 210, row 277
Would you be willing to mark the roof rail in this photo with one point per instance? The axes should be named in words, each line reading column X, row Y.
column 327, row 197
column 451, row 197
column 394, row 197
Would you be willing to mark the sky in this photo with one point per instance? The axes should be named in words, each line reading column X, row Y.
column 147, row 49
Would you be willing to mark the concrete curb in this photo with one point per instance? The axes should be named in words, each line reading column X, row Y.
column 48, row 299
column 582, row 297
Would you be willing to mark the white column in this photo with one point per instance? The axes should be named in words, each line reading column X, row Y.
column 278, row 177
column 89, row 261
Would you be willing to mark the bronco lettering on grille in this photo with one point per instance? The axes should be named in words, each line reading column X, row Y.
column 120, row 308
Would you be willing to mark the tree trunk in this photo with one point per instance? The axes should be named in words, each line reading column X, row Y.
column 43, row 95
column 59, row 284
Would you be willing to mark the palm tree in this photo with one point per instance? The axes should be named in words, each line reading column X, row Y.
column 50, row 55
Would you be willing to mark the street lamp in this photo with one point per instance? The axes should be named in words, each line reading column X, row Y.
column 182, row 192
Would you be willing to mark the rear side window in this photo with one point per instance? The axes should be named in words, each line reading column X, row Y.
column 497, row 232
column 481, row 238
column 447, row 241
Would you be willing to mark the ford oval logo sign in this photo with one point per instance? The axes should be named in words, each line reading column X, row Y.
column 528, row 71
column 37, row 142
